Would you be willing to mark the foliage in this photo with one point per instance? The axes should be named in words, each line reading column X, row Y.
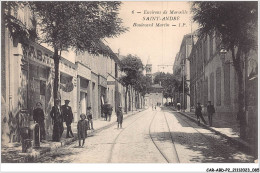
column 132, row 66
column 235, row 22
column 170, row 83
column 143, row 84
column 80, row 25
column 77, row 24
column 17, row 29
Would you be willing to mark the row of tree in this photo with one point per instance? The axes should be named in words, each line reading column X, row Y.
column 65, row 25
column 134, row 77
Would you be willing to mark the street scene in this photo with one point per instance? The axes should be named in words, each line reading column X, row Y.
column 129, row 82
column 159, row 136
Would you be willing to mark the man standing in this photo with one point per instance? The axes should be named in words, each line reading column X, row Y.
column 199, row 114
column 38, row 117
column 68, row 117
column 119, row 115
column 211, row 111
column 107, row 108
column 57, row 121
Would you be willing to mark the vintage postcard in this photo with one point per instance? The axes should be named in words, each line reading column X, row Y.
column 163, row 86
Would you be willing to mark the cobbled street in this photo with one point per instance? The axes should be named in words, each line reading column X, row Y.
column 151, row 136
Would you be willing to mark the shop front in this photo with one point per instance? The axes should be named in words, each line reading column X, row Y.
column 102, row 94
column 84, row 91
column 94, row 79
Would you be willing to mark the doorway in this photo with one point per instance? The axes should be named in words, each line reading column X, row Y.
column 83, row 102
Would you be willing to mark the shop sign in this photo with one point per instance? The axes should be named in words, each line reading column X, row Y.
column 38, row 55
column 111, row 82
column 84, row 71
column 102, row 81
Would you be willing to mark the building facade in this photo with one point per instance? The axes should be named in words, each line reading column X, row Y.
column 181, row 70
column 27, row 77
column 213, row 78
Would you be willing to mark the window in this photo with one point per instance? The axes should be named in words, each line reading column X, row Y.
column 212, row 87
column 218, row 86
column 211, row 45
column 227, row 84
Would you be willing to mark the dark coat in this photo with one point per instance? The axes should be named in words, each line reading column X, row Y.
column 82, row 127
column 38, row 115
column 210, row 109
column 67, row 114
column 57, row 123
column 198, row 110
column 107, row 109
column 119, row 115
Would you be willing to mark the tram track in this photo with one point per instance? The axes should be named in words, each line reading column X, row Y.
column 114, row 141
column 175, row 153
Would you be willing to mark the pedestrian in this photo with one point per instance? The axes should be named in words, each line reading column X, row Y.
column 107, row 111
column 67, row 117
column 82, row 127
column 89, row 117
column 38, row 117
column 211, row 111
column 110, row 110
column 119, row 115
column 57, row 120
column 152, row 106
column 178, row 106
column 199, row 113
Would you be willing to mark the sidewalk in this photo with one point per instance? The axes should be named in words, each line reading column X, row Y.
column 224, row 126
column 12, row 153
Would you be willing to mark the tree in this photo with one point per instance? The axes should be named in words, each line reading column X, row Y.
column 170, row 83
column 236, row 24
column 79, row 25
column 132, row 66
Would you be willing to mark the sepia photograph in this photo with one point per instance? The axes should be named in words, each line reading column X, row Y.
column 154, row 86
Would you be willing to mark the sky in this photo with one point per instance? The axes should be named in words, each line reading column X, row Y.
column 161, row 44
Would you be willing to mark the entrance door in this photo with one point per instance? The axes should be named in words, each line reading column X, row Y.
column 83, row 102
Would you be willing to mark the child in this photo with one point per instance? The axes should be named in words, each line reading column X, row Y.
column 89, row 116
column 82, row 129
column 119, row 115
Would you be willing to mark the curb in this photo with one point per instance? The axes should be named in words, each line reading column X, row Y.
column 32, row 156
column 241, row 144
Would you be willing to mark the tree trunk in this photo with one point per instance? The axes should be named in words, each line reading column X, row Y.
column 56, row 77
column 126, row 98
column 241, row 116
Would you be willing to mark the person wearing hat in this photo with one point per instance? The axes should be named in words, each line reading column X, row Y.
column 68, row 117
column 57, row 119
column 119, row 115
column 89, row 117
column 198, row 113
column 38, row 117
column 211, row 111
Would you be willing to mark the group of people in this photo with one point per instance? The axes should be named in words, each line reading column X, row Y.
column 60, row 114
column 210, row 112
